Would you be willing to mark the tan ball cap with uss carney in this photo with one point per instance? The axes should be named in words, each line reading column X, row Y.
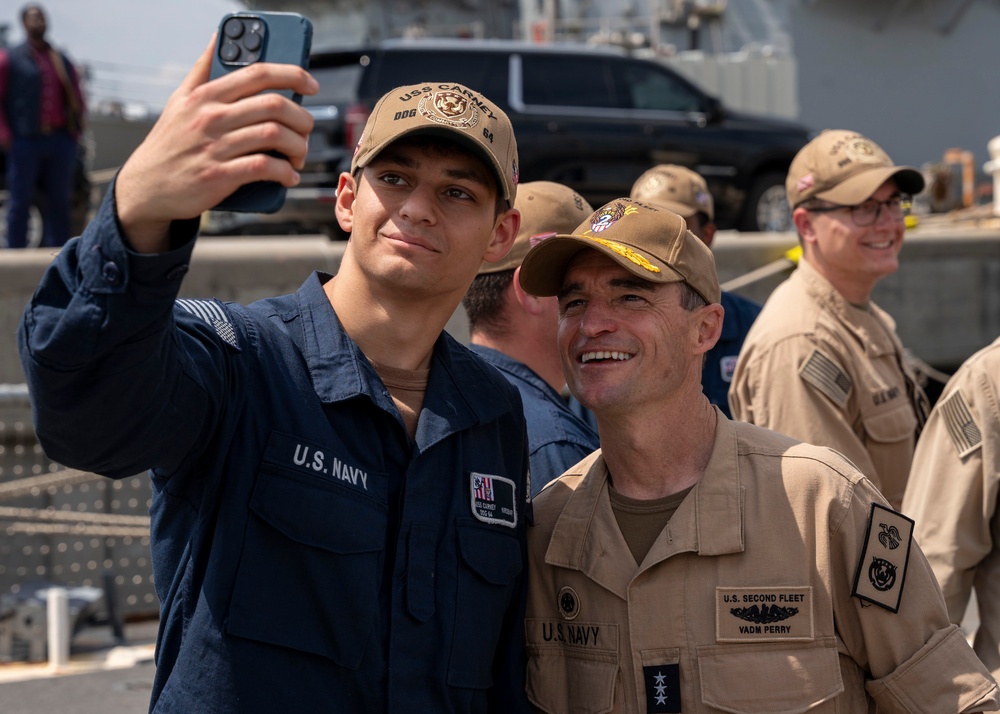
column 546, row 207
column 845, row 168
column 677, row 188
column 444, row 109
column 649, row 242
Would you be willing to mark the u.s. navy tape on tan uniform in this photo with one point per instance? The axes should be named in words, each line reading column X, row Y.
column 826, row 375
column 211, row 312
column 882, row 567
column 961, row 424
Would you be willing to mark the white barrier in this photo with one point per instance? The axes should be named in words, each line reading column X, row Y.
column 57, row 609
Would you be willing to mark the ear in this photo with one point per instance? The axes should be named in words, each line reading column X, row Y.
column 803, row 220
column 504, row 233
column 529, row 303
column 708, row 233
column 347, row 191
column 709, row 323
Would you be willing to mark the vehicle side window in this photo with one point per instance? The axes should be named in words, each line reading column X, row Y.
column 648, row 87
column 569, row 81
column 337, row 85
column 482, row 71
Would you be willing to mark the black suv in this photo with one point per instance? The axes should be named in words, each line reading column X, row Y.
column 591, row 118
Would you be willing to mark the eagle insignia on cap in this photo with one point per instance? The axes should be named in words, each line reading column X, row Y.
column 449, row 108
column 608, row 216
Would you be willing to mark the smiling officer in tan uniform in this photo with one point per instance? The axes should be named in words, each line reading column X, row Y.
column 953, row 491
column 700, row 565
column 822, row 362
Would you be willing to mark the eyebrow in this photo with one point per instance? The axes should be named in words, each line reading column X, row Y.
column 389, row 156
column 637, row 284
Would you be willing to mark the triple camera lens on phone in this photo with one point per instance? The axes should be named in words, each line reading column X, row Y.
column 243, row 38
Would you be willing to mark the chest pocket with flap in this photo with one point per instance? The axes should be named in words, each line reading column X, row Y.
column 308, row 574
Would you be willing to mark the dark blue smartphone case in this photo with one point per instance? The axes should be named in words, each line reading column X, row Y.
column 283, row 37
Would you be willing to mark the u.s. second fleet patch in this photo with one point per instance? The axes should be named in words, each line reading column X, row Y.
column 764, row 614
column 882, row 568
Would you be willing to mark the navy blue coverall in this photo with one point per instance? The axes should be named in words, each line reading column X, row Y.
column 557, row 438
column 308, row 556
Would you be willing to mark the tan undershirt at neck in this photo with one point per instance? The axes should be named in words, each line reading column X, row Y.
column 641, row 522
column 407, row 387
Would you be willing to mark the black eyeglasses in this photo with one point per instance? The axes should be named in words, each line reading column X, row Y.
column 867, row 213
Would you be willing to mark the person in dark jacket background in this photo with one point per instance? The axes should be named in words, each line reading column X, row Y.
column 41, row 117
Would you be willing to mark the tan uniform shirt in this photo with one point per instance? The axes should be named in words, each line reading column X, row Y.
column 821, row 370
column 744, row 603
column 952, row 495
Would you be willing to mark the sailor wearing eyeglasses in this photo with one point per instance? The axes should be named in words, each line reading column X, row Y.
column 822, row 363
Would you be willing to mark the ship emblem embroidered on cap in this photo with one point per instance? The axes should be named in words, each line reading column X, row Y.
column 449, row 108
column 861, row 151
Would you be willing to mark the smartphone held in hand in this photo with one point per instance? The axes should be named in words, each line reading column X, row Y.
column 246, row 38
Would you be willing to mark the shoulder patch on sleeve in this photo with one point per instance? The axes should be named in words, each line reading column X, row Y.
column 961, row 424
column 211, row 311
column 826, row 375
column 882, row 568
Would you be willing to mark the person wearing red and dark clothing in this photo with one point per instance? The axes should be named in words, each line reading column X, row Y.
column 41, row 112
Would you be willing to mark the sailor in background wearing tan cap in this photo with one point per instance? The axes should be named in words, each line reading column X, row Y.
column 685, row 192
column 339, row 487
column 822, row 363
column 696, row 564
column 516, row 333
column 953, row 495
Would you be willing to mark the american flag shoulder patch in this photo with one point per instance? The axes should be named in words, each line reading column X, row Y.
column 826, row 375
column 212, row 312
column 961, row 424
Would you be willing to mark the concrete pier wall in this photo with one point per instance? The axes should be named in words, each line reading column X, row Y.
column 945, row 297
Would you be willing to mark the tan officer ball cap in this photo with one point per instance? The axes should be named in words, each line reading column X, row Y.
column 676, row 188
column 648, row 241
column 444, row 109
column 546, row 207
column 845, row 168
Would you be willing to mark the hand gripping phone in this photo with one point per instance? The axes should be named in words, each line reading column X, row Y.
column 249, row 37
